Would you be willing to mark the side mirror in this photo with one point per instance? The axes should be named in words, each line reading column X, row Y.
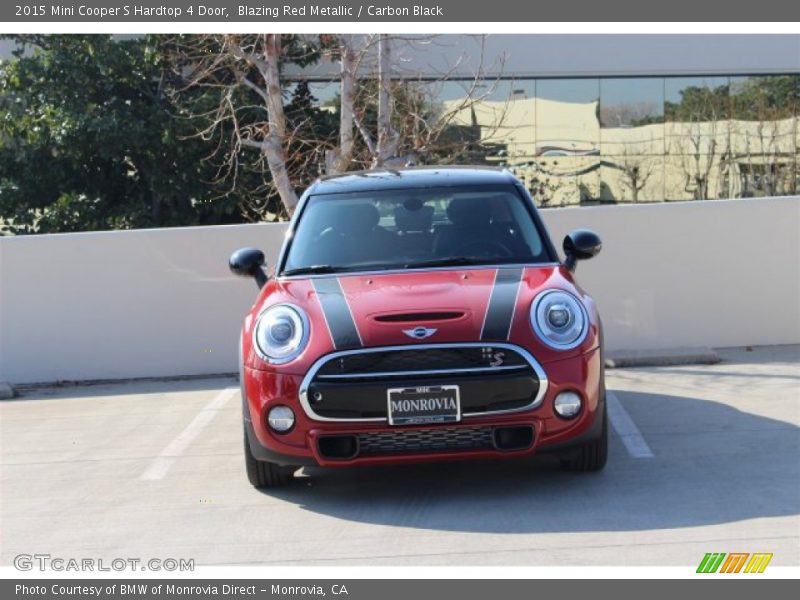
column 248, row 262
column 580, row 244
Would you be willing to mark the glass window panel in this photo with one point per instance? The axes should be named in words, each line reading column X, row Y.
column 500, row 116
column 317, row 93
column 697, row 176
column 795, row 187
column 696, row 98
column 632, row 116
column 629, row 178
column 763, row 135
column 796, row 183
column 567, row 117
column 564, row 180
column 326, row 93
column 697, row 113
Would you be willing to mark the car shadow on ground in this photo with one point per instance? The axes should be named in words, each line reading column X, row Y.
column 713, row 464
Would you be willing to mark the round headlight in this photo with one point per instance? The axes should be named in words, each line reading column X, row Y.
column 281, row 418
column 559, row 319
column 281, row 333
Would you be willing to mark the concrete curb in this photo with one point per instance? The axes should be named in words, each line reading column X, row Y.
column 6, row 391
column 661, row 358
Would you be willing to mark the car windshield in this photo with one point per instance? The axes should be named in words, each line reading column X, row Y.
column 403, row 229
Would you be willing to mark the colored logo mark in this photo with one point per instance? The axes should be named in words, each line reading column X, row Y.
column 735, row 562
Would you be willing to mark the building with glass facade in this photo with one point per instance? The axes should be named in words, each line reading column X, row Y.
column 639, row 139
column 589, row 119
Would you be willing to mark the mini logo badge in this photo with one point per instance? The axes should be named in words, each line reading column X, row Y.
column 419, row 333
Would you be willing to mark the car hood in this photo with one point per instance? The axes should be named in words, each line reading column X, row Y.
column 446, row 305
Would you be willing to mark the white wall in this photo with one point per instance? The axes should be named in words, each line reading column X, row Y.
column 714, row 273
column 124, row 304
column 162, row 302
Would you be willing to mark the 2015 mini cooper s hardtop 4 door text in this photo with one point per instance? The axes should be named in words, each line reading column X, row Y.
column 418, row 315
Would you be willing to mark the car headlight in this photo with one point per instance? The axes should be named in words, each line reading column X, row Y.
column 559, row 319
column 281, row 333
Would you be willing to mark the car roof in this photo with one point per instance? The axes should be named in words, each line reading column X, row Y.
column 411, row 177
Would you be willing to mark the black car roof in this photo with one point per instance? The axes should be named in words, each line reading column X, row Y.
column 410, row 177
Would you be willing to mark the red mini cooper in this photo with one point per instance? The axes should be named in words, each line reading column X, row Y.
column 416, row 315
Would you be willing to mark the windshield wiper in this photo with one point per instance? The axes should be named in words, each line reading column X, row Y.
column 450, row 261
column 311, row 270
column 455, row 261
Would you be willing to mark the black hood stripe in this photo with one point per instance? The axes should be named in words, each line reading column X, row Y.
column 338, row 316
column 502, row 304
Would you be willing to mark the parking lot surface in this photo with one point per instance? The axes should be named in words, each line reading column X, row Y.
column 702, row 459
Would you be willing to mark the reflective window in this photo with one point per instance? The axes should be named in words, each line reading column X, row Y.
column 491, row 122
column 567, row 153
column 697, row 112
column 636, row 139
column 632, row 117
column 632, row 178
column 763, row 132
column 567, row 117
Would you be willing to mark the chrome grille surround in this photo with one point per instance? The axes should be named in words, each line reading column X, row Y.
column 532, row 362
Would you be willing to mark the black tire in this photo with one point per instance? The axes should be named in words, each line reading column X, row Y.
column 591, row 456
column 263, row 474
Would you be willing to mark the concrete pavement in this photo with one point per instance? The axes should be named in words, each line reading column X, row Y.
column 154, row 469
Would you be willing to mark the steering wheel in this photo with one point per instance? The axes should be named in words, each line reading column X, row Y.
column 487, row 247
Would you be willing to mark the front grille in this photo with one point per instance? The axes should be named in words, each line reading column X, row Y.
column 440, row 439
column 427, row 359
column 352, row 385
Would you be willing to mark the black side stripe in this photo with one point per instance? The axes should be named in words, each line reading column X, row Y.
column 337, row 313
column 500, row 312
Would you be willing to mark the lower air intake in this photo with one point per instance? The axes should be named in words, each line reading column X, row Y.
column 440, row 439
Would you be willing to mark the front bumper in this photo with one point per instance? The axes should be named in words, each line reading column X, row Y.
column 343, row 442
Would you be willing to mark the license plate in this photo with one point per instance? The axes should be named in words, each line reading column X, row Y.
column 423, row 405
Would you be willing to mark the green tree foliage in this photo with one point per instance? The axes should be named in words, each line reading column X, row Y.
column 89, row 140
column 700, row 104
column 746, row 99
column 776, row 97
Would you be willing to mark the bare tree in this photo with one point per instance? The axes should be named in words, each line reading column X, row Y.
column 637, row 172
column 698, row 149
column 245, row 71
column 701, row 126
column 627, row 114
column 636, row 168
column 387, row 137
column 272, row 139
column 338, row 159
column 762, row 149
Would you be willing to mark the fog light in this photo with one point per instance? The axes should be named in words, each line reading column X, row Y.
column 281, row 418
column 567, row 404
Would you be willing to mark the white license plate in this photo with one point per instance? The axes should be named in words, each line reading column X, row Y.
column 423, row 405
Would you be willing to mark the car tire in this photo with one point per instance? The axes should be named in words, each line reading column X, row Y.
column 264, row 474
column 591, row 456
